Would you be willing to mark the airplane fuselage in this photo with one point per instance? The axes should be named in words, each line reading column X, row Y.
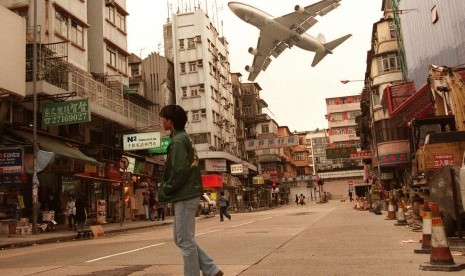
column 266, row 23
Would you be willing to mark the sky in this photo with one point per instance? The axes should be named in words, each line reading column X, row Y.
column 294, row 91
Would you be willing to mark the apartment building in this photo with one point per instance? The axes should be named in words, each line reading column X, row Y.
column 200, row 57
column 346, row 171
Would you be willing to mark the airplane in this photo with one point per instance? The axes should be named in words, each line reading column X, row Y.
column 279, row 33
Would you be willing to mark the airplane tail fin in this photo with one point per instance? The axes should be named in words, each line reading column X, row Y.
column 330, row 46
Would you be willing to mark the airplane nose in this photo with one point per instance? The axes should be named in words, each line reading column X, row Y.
column 234, row 6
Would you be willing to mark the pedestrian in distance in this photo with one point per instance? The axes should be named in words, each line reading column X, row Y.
column 302, row 199
column 160, row 211
column 224, row 204
column 182, row 186
column 152, row 205
column 350, row 196
column 71, row 212
column 296, row 199
column 81, row 212
column 146, row 204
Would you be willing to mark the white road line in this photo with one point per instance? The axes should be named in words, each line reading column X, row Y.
column 126, row 252
column 266, row 218
column 243, row 224
column 200, row 234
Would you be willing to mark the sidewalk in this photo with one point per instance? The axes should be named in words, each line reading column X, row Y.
column 59, row 235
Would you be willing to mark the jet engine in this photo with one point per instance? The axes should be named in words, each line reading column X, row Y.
column 253, row 51
column 249, row 68
column 299, row 9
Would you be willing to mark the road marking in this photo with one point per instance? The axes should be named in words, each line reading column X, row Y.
column 212, row 231
column 126, row 252
column 243, row 224
column 266, row 218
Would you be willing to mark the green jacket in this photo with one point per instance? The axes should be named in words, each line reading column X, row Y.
column 181, row 176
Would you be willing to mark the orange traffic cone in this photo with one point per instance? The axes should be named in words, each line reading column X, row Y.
column 391, row 211
column 426, row 239
column 401, row 221
column 440, row 256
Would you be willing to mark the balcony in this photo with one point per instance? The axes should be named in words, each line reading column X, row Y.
column 55, row 75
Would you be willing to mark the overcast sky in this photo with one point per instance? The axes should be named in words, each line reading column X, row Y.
column 295, row 91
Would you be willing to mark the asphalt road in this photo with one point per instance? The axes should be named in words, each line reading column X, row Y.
column 315, row 239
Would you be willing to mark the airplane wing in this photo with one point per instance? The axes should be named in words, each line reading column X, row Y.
column 304, row 18
column 266, row 48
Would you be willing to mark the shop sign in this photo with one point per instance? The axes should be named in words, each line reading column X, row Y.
column 386, row 176
column 215, row 165
column 335, row 153
column 212, row 180
column 140, row 141
column 11, row 161
column 394, row 158
column 443, row 160
column 360, row 154
column 65, row 113
column 239, row 169
column 165, row 142
column 277, row 142
column 341, row 174
column 258, row 180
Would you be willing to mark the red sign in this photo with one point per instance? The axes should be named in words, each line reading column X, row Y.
column 212, row 180
column 443, row 160
column 360, row 154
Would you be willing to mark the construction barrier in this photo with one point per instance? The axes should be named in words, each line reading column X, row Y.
column 426, row 238
column 401, row 221
column 391, row 211
column 440, row 256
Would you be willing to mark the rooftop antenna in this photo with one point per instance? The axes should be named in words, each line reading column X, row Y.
column 178, row 8
column 168, row 10
column 206, row 7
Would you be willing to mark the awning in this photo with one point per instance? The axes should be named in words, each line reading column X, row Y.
column 60, row 148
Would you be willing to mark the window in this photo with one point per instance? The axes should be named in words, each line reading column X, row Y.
column 192, row 66
column 122, row 63
column 200, row 138
column 392, row 29
column 77, row 36
column 183, row 67
column 388, row 63
column 181, row 44
column 299, row 156
column 111, row 55
column 190, row 43
column 111, row 13
column 353, row 114
column 265, row 129
column 120, row 21
column 194, row 92
column 334, row 117
column 184, row 92
column 338, row 131
column 196, row 115
column 61, row 24
column 247, row 110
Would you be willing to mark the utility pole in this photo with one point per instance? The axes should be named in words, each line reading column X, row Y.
column 35, row 179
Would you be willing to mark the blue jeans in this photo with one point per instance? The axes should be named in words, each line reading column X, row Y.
column 195, row 259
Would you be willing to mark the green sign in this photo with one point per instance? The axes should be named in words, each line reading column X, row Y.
column 165, row 141
column 64, row 113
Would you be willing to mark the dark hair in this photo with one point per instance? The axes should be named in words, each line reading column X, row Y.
column 176, row 114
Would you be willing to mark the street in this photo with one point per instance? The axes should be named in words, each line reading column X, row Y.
column 314, row 239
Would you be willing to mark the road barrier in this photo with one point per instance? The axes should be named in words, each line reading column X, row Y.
column 426, row 238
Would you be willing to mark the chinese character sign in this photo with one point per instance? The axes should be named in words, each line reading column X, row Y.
column 64, row 113
column 277, row 142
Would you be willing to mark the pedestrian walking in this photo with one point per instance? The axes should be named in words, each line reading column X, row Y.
column 296, row 199
column 152, row 205
column 350, row 196
column 182, row 186
column 224, row 204
column 71, row 212
column 302, row 199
